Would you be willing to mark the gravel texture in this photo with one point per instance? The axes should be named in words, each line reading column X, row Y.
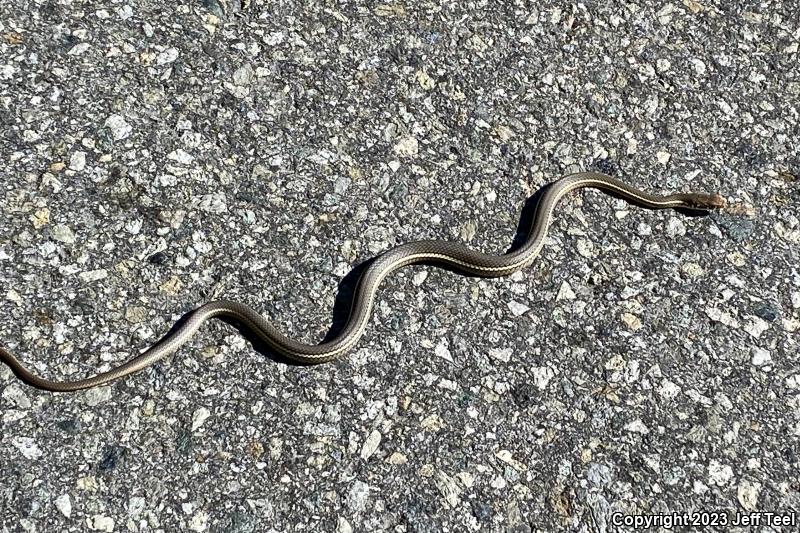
column 159, row 155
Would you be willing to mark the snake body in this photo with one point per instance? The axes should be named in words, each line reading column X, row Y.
column 453, row 254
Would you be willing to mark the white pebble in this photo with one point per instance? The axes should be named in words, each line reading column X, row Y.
column 64, row 505
column 371, row 444
column 93, row 275
column 542, row 376
column 637, row 426
column 180, row 156
column 718, row 473
column 358, row 496
column 27, row 447
column 119, row 128
column 79, row 49
column 77, row 161
column 668, row 390
column 62, row 233
column 407, row 146
column 100, row 523
column 135, row 506
column 199, row 522
column 761, row 357
column 212, row 203
column 518, row 309
column 699, row 66
column 167, row 56
column 585, row 248
column 96, row 396
column 675, row 227
column 343, row 526
column 747, row 494
column 16, row 396
column 443, row 351
column 199, row 418
column 633, row 322
column 755, row 326
column 502, row 354
column 565, row 292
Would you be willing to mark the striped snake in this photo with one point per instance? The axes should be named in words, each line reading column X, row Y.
column 452, row 254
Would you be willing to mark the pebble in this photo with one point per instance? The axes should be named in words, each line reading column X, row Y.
column 28, row 447
column 747, row 493
column 343, row 526
column 181, row 156
column 407, row 146
column 675, row 227
column 756, row 326
column 585, row 248
column 565, row 292
column 420, row 277
column 633, row 322
column 100, row 523
column 760, row 357
column 120, row 129
column 432, row 423
column 136, row 505
column 637, row 426
column 371, row 444
column 692, row 270
column 40, row 218
column 542, row 376
column 397, row 458
column 517, row 308
column 767, row 311
column 501, row 354
column 199, row 521
column 717, row 315
column 64, row 505
column 167, row 56
column 62, row 233
column 443, row 351
column 211, row 203
column 93, row 275
column 599, row 475
column 136, row 315
column 243, row 75
column 668, row 390
column 199, row 418
column 358, row 496
column 738, row 229
column 719, row 474
column 449, row 489
column 96, row 396
column 16, row 396
column 77, row 161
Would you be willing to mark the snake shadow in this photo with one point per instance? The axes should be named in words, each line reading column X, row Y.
column 346, row 288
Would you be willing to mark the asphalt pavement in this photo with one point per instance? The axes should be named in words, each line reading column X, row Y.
column 155, row 156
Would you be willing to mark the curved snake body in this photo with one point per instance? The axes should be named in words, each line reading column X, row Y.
column 448, row 253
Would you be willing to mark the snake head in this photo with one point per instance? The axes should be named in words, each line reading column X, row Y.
column 705, row 202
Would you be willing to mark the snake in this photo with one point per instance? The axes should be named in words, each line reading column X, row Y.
column 447, row 253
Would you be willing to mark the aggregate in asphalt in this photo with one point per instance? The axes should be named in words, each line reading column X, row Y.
column 157, row 156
